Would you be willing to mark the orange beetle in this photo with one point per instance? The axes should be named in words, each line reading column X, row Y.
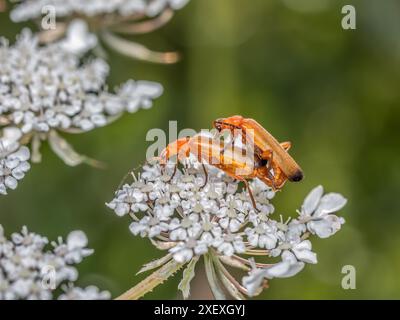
column 265, row 145
column 233, row 161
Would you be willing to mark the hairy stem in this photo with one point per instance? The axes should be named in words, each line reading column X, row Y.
column 152, row 281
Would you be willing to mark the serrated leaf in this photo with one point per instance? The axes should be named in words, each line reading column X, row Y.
column 148, row 284
column 188, row 275
column 155, row 263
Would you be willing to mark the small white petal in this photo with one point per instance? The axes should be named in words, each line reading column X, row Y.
column 326, row 227
column 312, row 200
column 76, row 239
column 11, row 182
column 330, row 203
column 253, row 281
column 303, row 252
column 183, row 255
column 226, row 249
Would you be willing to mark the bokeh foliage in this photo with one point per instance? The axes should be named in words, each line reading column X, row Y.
column 333, row 93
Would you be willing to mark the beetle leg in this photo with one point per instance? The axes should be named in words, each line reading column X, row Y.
column 206, row 175
column 247, row 187
column 279, row 178
column 250, row 193
column 286, row 145
column 178, row 148
column 276, row 180
column 270, row 166
column 173, row 174
column 266, row 154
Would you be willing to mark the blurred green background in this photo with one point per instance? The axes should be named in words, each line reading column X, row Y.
column 287, row 63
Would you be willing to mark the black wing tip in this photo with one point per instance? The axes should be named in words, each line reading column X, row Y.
column 297, row 176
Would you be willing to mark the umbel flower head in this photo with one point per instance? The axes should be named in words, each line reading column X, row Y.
column 45, row 90
column 31, row 9
column 103, row 19
column 32, row 269
column 190, row 216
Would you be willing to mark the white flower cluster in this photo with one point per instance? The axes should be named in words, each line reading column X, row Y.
column 315, row 217
column 194, row 216
column 29, row 271
column 14, row 159
column 46, row 87
column 182, row 211
column 31, row 9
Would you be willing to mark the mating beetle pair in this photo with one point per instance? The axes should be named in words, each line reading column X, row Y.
column 271, row 162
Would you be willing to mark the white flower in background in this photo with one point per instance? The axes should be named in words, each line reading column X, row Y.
column 317, row 211
column 31, row 9
column 103, row 22
column 13, row 159
column 139, row 94
column 88, row 293
column 181, row 213
column 154, row 7
column 30, row 269
column 48, row 89
column 45, row 87
column 78, row 39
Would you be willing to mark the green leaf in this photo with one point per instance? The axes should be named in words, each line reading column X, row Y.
column 188, row 275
